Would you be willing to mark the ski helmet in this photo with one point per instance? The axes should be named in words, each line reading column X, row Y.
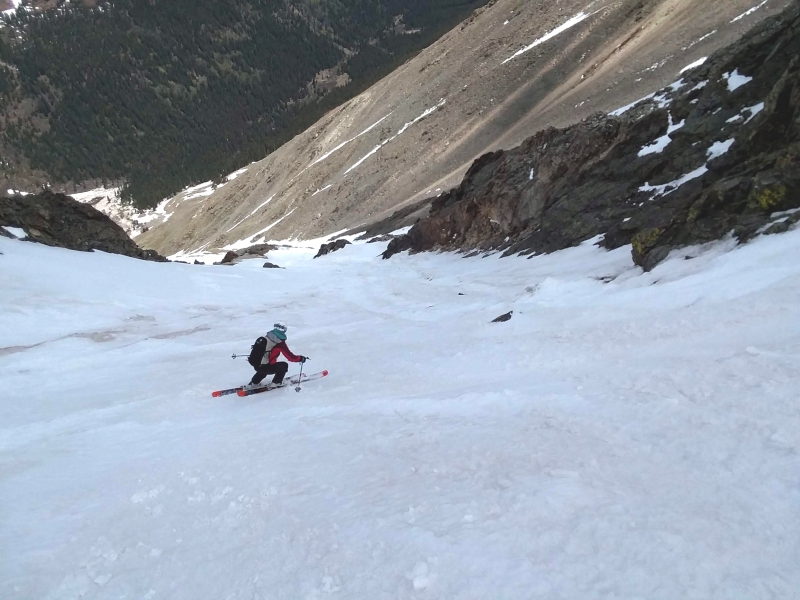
column 280, row 326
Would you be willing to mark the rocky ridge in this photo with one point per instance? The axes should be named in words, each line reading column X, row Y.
column 61, row 221
column 714, row 153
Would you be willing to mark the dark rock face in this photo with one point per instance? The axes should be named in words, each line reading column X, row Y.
column 732, row 163
column 331, row 247
column 269, row 265
column 387, row 237
column 58, row 220
column 403, row 217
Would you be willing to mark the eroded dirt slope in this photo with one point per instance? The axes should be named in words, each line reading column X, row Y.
column 512, row 69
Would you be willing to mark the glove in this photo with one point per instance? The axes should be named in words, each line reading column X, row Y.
column 304, row 359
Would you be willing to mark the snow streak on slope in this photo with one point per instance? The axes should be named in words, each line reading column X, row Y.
column 403, row 129
column 579, row 18
column 253, row 239
column 631, row 439
column 747, row 13
column 343, row 144
column 668, row 188
column 257, row 208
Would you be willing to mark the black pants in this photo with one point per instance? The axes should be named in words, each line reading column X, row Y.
column 278, row 369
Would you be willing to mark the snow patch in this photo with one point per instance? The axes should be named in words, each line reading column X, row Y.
column 659, row 98
column 403, row 129
column 251, row 241
column 327, row 187
column 236, row 174
column 754, row 110
column 201, row 191
column 698, row 63
column 343, row 144
column 736, row 80
column 668, row 188
column 699, row 40
column 658, row 146
column 17, row 232
column 108, row 202
column 260, row 206
column 425, row 114
column 719, row 148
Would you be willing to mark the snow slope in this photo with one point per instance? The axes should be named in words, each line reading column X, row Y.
column 625, row 435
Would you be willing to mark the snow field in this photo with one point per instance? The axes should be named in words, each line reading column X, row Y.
column 631, row 439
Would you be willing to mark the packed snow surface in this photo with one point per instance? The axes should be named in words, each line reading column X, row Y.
column 631, row 439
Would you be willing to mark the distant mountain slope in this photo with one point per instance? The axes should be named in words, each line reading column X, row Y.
column 164, row 94
column 711, row 155
column 513, row 68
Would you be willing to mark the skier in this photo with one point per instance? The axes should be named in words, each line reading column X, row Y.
column 274, row 344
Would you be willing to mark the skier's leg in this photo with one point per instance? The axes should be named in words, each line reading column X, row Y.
column 280, row 372
column 262, row 372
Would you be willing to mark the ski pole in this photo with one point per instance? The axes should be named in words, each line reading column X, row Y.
column 300, row 378
column 234, row 356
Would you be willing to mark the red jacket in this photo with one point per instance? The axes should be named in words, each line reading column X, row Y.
column 279, row 349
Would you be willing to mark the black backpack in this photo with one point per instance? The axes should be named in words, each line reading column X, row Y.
column 257, row 352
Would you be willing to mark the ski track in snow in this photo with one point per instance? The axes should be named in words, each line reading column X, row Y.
column 634, row 439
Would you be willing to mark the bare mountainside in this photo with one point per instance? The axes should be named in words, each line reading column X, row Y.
column 510, row 70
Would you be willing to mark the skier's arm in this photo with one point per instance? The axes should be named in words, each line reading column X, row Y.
column 290, row 356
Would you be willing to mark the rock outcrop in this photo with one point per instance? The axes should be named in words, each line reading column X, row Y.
column 503, row 318
column 715, row 153
column 257, row 251
column 331, row 247
column 58, row 220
